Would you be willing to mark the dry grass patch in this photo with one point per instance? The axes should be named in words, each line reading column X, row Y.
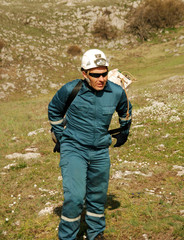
column 153, row 15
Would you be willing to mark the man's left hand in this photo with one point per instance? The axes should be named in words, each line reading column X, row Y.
column 121, row 139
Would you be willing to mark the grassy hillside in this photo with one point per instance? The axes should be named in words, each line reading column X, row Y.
column 145, row 197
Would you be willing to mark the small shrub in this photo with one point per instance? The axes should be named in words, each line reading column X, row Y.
column 107, row 12
column 74, row 50
column 102, row 28
column 153, row 15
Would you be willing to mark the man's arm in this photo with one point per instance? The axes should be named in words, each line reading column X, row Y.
column 124, row 110
column 56, row 112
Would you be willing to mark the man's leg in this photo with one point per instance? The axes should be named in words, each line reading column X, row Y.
column 97, row 185
column 73, row 168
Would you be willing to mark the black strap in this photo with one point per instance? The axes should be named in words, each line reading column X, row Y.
column 72, row 95
column 118, row 130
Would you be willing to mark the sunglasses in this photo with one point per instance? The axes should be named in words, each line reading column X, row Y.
column 97, row 75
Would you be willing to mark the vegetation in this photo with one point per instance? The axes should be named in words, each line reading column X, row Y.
column 103, row 29
column 153, row 15
column 74, row 50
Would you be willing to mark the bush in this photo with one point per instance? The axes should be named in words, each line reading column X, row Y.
column 74, row 50
column 102, row 28
column 152, row 15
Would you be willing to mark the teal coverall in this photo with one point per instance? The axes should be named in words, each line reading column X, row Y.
column 84, row 154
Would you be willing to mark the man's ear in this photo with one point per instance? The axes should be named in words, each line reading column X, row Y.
column 84, row 74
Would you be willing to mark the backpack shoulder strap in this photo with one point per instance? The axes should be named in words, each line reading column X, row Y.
column 72, row 95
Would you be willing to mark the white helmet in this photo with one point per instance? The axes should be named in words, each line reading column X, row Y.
column 94, row 58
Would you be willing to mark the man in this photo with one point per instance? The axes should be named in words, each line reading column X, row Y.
column 84, row 142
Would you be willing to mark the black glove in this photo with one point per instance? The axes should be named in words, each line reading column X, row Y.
column 57, row 147
column 121, row 139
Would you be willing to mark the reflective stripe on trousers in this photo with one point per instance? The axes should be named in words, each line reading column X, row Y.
column 85, row 176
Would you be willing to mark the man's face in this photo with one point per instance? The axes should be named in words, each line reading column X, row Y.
column 98, row 77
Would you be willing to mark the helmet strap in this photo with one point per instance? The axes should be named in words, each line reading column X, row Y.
column 87, row 79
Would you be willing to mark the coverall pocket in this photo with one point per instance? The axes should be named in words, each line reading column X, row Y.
column 107, row 114
column 79, row 108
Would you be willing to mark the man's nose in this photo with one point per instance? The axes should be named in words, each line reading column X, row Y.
column 101, row 78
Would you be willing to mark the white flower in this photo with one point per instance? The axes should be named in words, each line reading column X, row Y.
column 161, row 147
column 60, row 178
column 174, row 119
column 4, row 233
column 117, row 175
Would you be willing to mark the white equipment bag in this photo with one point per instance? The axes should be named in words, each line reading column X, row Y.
column 117, row 77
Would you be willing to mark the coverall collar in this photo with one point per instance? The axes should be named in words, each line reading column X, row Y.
column 87, row 88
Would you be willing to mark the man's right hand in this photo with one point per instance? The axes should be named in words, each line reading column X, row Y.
column 57, row 147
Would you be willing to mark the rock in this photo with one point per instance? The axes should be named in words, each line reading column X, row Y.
column 40, row 130
column 45, row 211
column 8, row 85
column 118, row 23
column 10, row 165
column 25, row 156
